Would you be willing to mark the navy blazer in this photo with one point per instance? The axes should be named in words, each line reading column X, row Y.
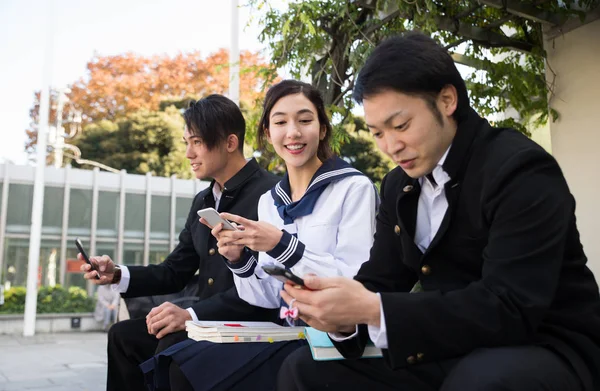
column 197, row 251
column 505, row 268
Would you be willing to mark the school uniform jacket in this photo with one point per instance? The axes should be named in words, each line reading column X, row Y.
column 505, row 268
column 197, row 251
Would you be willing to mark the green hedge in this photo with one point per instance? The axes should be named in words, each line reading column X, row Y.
column 50, row 299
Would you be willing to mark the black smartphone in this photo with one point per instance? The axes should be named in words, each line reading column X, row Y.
column 283, row 274
column 85, row 257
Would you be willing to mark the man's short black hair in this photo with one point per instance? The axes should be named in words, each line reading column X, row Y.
column 213, row 119
column 412, row 64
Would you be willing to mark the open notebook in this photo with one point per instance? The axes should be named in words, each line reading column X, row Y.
column 322, row 348
column 233, row 331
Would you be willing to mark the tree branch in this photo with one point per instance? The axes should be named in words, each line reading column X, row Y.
column 524, row 10
column 481, row 35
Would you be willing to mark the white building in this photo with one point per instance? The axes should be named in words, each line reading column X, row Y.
column 134, row 219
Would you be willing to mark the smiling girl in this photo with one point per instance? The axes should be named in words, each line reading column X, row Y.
column 320, row 219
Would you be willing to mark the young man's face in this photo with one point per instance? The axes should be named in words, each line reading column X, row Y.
column 205, row 163
column 407, row 130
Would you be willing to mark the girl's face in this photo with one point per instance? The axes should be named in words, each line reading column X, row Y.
column 294, row 131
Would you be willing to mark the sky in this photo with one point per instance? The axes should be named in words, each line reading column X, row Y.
column 107, row 27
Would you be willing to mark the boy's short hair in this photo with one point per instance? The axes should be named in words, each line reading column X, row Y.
column 213, row 119
column 412, row 64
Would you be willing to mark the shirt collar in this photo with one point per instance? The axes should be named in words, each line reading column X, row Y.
column 439, row 174
column 217, row 192
column 240, row 177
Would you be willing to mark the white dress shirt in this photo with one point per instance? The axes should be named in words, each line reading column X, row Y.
column 431, row 209
column 126, row 276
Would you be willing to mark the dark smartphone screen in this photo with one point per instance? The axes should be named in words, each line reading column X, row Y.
column 85, row 257
column 283, row 274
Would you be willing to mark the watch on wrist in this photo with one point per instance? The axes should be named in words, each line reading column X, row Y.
column 116, row 275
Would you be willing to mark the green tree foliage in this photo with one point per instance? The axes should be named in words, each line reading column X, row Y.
column 140, row 142
column 330, row 39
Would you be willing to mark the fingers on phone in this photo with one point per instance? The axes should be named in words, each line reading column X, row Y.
column 203, row 221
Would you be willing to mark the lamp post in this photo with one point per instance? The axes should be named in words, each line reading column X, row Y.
column 234, row 55
column 38, row 186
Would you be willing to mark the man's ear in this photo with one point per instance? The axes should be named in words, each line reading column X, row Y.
column 448, row 100
column 232, row 143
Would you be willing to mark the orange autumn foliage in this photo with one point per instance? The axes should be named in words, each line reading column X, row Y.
column 115, row 86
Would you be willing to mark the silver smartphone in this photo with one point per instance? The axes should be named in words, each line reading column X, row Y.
column 212, row 217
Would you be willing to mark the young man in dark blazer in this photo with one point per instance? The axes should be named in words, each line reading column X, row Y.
column 482, row 221
column 214, row 137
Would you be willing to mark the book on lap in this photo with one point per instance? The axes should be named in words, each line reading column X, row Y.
column 234, row 332
column 322, row 348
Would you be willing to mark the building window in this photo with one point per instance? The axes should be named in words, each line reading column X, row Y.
column 135, row 211
column 53, row 210
column 106, row 248
column 159, row 217
column 18, row 216
column 158, row 253
column 108, row 214
column 133, row 254
column 74, row 276
column 49, row 266
column 16, row 256
column 182, row 210
column 80, row 212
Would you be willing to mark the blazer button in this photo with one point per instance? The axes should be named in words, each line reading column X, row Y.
column 212, row 251
column 397, row 230
column 426, row 270
column 407, row 188
column 411, row 360
column 420, row 357
column 211, row 281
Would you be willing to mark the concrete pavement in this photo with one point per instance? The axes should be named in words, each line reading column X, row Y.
column 53, row 362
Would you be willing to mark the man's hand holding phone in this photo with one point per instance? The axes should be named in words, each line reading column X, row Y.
column 102, row 266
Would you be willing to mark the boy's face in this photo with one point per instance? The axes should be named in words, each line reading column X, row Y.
column 205, row 163
column 407, row 130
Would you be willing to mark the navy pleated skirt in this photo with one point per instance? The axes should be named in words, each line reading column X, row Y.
column 221, row 366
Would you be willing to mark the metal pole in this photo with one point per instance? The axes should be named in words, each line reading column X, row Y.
column 121, row 227
column 58, row 143
column 234, row 55
column 3, row 213
column 173, row 214
column 65, row 225
column 146, row 256
column 94, row 226
column 38, row 186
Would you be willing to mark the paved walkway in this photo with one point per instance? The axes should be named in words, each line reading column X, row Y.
column 57, row 362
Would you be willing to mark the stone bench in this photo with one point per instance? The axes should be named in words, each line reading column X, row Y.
column 50, row 323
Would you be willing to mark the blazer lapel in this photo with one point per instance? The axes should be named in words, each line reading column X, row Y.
column 406, row 215
column 452, row 190
column 455, row 165
column 406, row 205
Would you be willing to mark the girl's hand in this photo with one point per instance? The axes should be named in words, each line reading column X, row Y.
column 256, row 235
